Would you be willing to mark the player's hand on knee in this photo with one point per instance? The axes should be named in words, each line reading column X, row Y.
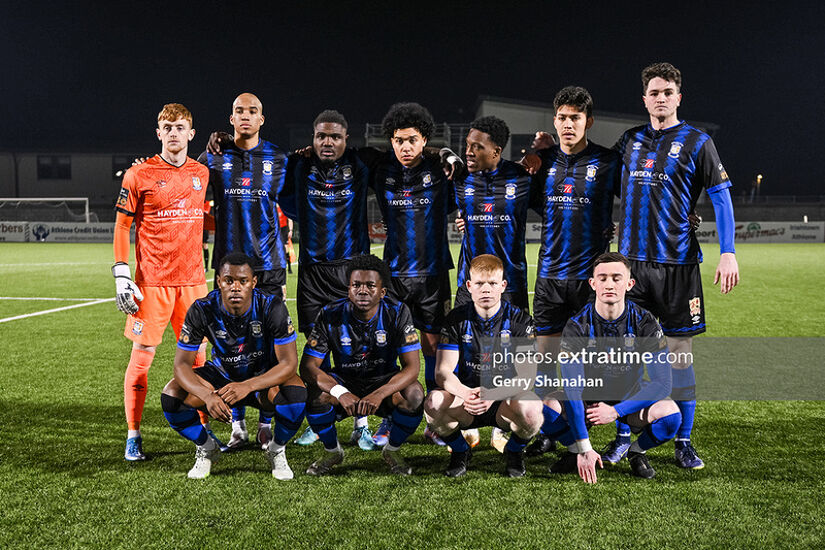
column 349, row 402
column 126, row 291
column 233, row 392
column 217, row 407
column 601, row 413
column 586, row 463
column 727, row 272
column 369, row 404
column 217, row 142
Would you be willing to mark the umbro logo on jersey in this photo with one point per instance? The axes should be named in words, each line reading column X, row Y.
column 488, row 207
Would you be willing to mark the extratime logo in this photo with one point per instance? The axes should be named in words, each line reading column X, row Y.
column 650, row 163
column 488, row 207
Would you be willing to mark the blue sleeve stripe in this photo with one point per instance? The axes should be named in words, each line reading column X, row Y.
column 411, row 347
column 287, row 340
column 189, row 347
column 451, row 347
column 313, row 353
column 722, row 186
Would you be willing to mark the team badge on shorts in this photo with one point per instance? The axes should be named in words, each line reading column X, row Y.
column 256, row 328
column 137, row 327
column 591, row 173
column 381, row 337
column 695, row 308
column 267, row 167
column 196, row 183
column 675, row 148
column 510, row 191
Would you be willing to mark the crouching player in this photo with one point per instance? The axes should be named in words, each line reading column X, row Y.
column 254, row 363
column 461, row 405
column 612, row 324
column 365, row 333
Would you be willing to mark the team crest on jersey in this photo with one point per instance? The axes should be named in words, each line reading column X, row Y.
column 468, row 191
column 196, row 183
column 629, row 339
column 510, row 191
column 381, row 337
column 722, row 172
column 226, row 165
column 695, row 306
column 675, row 148
column 637, row 145
column 505, row 337
column 346, row 171
column 591, row 343
column 591, row 173
column 427, row 179
column 267, row 167
column 137, row 327
column 220, row 334
column 256, row 328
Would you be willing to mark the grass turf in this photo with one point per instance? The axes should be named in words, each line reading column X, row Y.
column 64, row 483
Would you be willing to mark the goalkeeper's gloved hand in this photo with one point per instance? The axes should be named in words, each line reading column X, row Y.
column 126, row 289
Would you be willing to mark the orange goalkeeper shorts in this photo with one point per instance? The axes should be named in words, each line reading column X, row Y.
column 160, row 306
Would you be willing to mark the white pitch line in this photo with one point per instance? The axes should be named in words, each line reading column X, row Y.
column 42, row 298
column 54, row 263
column 36, row 313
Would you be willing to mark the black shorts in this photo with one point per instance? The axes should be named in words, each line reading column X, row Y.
column 211, row 374
column 556, row 300
column 671, row 292
column 429, row 299
column 487, row 418
column 518, row 298
column 270, row 282
column 318, row 285
column 362, row 387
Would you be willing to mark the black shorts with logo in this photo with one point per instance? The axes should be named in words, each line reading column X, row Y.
column 517, row 298
column 271, row 282
column 429, row 299
column 318, row 285
column 557, row 300
column 671, row 292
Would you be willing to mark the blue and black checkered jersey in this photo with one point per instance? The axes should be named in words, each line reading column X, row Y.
column 363, row 349
column 636, row 329
column 245, row 186
column 415, row 203
column 242, row 346
column 494, row 207
column 475, row 338
column 329, row 203
column 574, row 195
column 663, row 174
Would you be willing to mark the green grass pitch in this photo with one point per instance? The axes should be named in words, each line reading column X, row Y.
column 64, row 483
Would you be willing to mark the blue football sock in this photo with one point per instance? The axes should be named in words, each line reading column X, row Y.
column 622, row 432
column 516, row 443
column 403, row 425
column 659, row 431
column 290, row 406
column 323, row 424
column 684, row 393
column 456, row 442
column 238, row 413
column 429, row 372
column 183, row 419
column 556, row 427
column 264, row 417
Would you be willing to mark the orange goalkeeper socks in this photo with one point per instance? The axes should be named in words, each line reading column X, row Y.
column 134, row 386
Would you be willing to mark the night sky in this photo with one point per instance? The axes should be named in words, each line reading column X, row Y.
column 93, row 77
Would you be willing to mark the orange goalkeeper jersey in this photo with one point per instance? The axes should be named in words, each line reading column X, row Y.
column 167, row 205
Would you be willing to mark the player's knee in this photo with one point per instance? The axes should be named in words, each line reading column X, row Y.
column 663, row 408
column 527, row 413
column 286, row 395
column 412, row 397
column 553, row 404
column 170, row 403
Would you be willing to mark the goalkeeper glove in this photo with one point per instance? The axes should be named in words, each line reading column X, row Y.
column 126, row 289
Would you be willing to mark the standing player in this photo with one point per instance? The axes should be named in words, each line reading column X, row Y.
column 365, row 333
column 246, row 173
column 607, row 325
column 415, row 198
column 164, row 198
column 573, row 192
column 461, row 404
column 254, row 362
column 665, row 167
